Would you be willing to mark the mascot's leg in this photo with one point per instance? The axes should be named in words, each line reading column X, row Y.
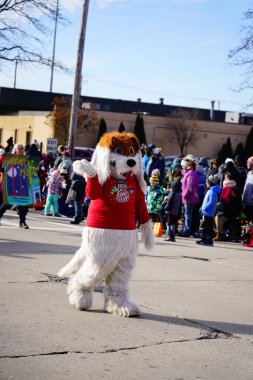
column 81, row 284
column 116, row 290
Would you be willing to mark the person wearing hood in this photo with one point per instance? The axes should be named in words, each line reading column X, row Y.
column 190, row 194
column 229, row 166
column 204, row 162
column 156, row 161
column 230, row 205
column 208, row 210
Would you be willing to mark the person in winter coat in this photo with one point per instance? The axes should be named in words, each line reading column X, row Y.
column 173, row 210
column 208, row 209
column 247, row 196
column 174, row 173
column 156, row 161
column 58, row 160
column 230, row 204
column 213, row 167
column 53, row 193
column 202, row 190
column 78, row 184
column 66, row 163
column 154, row 198
column 190, row 194
column 229, row 167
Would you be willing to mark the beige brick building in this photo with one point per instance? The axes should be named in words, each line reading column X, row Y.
column 24, row 125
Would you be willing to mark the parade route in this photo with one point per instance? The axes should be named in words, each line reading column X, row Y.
column 196, row 303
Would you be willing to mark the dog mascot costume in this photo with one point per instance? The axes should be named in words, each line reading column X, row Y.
column 116, row 188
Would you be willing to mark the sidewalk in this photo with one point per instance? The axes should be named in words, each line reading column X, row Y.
column 196, row 302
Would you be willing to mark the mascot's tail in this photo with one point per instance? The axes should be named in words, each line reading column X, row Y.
column 73, row 266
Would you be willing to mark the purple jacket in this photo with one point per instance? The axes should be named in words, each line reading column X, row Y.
column 190, row 190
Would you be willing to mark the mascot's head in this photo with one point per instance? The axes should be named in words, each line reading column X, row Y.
column 118, row 155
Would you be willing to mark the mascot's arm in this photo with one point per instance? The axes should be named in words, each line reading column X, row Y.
column 93, row 188
column 84, row 168
column 147, row 235
column 144, row 219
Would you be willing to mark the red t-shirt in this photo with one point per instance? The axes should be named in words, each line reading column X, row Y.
column 116, row 204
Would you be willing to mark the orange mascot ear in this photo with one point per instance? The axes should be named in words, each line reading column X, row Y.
column 135, row 142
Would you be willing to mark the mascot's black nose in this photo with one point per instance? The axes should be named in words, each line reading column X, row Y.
column 131, row 163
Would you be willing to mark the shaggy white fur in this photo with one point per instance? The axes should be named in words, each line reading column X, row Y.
column 107, row 254
column 104, row 254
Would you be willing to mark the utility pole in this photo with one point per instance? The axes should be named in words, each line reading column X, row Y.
column 53, row 56
column 78, row 79
column 15, row 74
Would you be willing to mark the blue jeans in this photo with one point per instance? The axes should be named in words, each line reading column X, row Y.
column 187, row 219
column 78, row 211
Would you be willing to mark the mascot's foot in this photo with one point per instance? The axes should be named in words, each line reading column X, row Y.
column 123, row 309
column 79, row 297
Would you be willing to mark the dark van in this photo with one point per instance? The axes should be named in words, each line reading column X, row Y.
column 83, row 153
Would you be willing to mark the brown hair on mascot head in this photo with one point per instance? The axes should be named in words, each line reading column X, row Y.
column 118, row 154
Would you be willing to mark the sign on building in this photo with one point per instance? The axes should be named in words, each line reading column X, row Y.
column 52, row 145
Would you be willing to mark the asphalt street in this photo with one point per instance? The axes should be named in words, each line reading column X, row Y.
column 196, row 303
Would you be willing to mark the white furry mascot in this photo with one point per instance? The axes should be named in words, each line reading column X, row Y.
column 116, row 188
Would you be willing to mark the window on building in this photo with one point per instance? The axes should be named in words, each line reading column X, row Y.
column 15, row 136
column 28, row 137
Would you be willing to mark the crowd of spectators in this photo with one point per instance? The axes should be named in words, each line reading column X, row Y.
column 193, row 197
column 199, row 197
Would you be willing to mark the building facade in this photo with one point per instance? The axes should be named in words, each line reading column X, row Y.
column 23, row 115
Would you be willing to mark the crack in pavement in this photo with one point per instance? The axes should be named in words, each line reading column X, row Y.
column 212, row 335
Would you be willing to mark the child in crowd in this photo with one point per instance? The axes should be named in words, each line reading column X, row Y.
column 173, row 209
column 53, row 193
column 208, row 209
column 65, row 209
column 154, row 198
column 230, row 204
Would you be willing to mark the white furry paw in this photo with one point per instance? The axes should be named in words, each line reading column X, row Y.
column 84, row 168
column 81, row 298
column 63, row 272
column 124, row 309
column 147, row 235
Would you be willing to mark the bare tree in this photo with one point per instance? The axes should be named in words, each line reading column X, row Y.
column 23, row 26
column 242, row 55
column 59, row 118
column 184, row 128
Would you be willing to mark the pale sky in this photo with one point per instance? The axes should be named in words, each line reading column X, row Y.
column 149, row 49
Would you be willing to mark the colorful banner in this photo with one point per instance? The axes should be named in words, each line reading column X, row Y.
column 21, row 184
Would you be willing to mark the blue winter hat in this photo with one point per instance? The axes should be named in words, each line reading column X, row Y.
column 175, row 165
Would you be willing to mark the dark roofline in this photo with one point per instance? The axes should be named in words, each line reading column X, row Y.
column 14, row 100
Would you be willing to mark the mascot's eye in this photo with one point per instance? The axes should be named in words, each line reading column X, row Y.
column 118, row 150
column 132, row 150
